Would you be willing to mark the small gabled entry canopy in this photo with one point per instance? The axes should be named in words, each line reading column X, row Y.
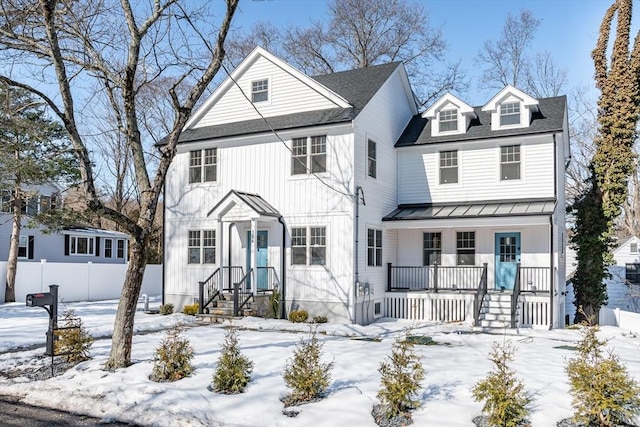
column 240, row 206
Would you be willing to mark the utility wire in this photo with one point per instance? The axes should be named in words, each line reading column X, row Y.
column 277, row 135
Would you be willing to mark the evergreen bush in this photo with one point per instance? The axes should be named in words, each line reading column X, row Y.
column 191, row 309
column 603, row 394
column 320, row 319
column 274, row 304
column 298, row 316
column 166, row 309
column 73, row 342
column 505, row 400
column 305, row 374
column 401, row 377
column 233, row 371
column 173, row 358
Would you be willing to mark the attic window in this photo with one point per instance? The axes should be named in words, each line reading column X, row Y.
column 260, row 90
column 448, row 120
column 633, row 248
column 510, row 113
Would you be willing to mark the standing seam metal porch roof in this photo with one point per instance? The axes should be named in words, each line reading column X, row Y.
column 480, row 209
column 252, row 201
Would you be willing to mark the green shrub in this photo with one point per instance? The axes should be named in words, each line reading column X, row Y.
column 298, row 316
column 400, row 380
column 603, row 394
column 166, row 309
column 173, row 358
column 73, row 341
column 305, row 374
column 505, row 401
column 274, row 304
column 320, row 319
column 233, row 371
column 191, row 309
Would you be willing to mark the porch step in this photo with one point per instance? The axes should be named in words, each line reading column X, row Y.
column 496, row 311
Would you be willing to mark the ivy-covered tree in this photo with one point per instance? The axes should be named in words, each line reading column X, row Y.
column 34, row 151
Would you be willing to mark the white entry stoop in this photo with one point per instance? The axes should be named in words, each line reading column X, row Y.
column 496, row 311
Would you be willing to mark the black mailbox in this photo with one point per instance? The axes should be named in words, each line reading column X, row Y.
column 40, row 299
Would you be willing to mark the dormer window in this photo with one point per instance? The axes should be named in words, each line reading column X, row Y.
column 510, row 113
column 448, row 120
column 260, row 90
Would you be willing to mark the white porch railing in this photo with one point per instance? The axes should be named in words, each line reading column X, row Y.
column 430, row 307
column 535, row 311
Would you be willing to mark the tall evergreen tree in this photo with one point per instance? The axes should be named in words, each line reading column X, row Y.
column 33, row 151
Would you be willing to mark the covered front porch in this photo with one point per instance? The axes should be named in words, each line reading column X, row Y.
column 247, row 246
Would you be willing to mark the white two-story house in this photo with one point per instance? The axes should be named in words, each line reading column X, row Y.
column 336, row 191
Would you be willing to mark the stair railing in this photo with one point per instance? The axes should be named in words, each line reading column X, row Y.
column 241, row 293
column 515, row 298
column 481, row 292
column 208, row 290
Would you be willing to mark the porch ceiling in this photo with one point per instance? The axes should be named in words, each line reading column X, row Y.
column 476, row 213
column 252, row 206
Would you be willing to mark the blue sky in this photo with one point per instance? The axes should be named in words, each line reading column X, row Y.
column 569, row 28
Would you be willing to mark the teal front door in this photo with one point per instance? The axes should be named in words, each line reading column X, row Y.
column 262, row 259
column 507, row 257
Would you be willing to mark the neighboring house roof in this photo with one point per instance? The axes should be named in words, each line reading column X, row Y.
column 356, row 86
column 492, row 208
column 94, row 232
column 549, row 118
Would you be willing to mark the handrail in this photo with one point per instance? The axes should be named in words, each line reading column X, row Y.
column 480, row 294
column 515, row 296
column 241, row 293
column 201, row 291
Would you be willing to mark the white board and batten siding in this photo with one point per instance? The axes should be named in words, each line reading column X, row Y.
column 478, row 171
column 382, row 121
column 283, row 87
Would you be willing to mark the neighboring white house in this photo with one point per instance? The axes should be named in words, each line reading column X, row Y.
column 339, row 192
column 73, row 244
column 623, row 287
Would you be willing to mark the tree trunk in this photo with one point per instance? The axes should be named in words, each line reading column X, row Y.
column 120, row 356
column 14, row 245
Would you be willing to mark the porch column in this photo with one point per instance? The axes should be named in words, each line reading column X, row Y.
column 220, row 254
column 254, row 252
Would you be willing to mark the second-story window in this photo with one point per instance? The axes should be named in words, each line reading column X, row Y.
column 448, row 167
column 260, row 90
column 448, row 120
column 510, row 113
column 203, row 165
column 371, row 157
column 309, row 155
column 509, row 162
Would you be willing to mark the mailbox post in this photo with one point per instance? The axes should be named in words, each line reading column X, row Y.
column 48, row 301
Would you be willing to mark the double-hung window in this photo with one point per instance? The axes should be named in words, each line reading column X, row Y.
column 25, row 249
column 466, row 247
column 448, row 120
column 509, row 162
column 432, row 248
column 309, row 155
column 260, row 90
column 120, row 248
column 80, row 245
column 374, row 247
column 202, row 247
column 449, row 167
column 633, row 274
column 371, row 159
column 108, row 248
column 203, row 165
column 510, row 113
column 308, row 246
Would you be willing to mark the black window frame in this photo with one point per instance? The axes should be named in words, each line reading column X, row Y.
column 632, row 273
column 431, row 248
column 372, row 156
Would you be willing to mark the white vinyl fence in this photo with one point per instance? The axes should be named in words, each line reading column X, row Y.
column 77, row 281
column 622, row 319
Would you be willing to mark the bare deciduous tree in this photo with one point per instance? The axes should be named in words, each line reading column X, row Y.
column 112, row 50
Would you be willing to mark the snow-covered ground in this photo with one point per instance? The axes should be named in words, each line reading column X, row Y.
column 128, row 395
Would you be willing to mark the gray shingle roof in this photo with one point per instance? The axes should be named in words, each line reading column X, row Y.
column 550, row 118
column 356, row 86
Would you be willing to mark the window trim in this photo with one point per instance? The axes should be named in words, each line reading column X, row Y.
column 73, row 245
column 203, row 166
column 200, row 246
column 266, row 91
column 510, row 112
column 372, row 162
column 448, row 167
column 635, row 273
column 509, row 162
column 308, row 245
column 631, row 245
column 308, row 164
column 108, row 242
column 424, row 249
column 459, row 248
column 375, row 250
column 448, row 120
column 26, row 247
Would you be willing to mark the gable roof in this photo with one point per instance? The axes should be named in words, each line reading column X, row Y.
column 446, row 99
column 356, row 86
column 509, row 90
column 548, row 118
column 253, row 202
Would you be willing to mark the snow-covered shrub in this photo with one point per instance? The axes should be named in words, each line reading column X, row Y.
column 73, row 341
column 505, row 400
column 603, row 393
column 305, row 374
column 400, row 382
column 173, row 358
column 233, row 371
